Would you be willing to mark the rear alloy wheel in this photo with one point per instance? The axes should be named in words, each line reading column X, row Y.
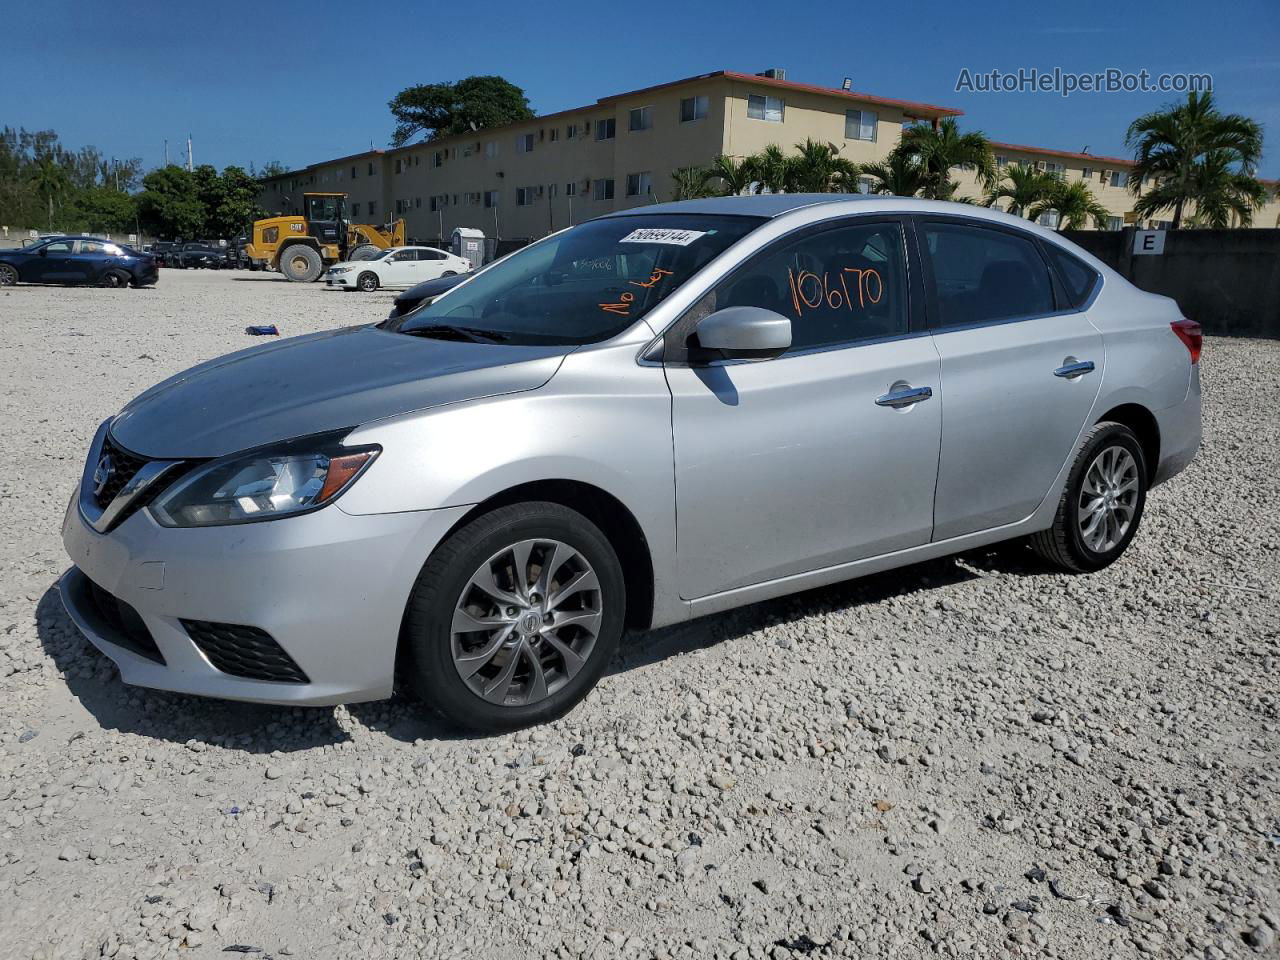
column 367, row 281
column 1102, row 505
column 515, row 617
column 114, row 280
column 8, row 275
column 449, row 273
column 301, row 263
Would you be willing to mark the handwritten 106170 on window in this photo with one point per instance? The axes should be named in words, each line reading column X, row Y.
column 811, row 291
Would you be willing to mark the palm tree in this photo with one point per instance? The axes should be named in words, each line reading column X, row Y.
column 772, row 168
column 735, row 176
column 1224, row 195
column 1075, row 203
column 48, row 178
column 898, row 176
column 1023, row 186
column 691, row 183
column 819, row 168
column 940, row 149
column 1174, row 143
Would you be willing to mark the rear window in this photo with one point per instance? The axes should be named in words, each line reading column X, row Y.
column 1077, row 276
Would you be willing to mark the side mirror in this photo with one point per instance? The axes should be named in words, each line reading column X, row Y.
column 742, row 333
column 43, row 251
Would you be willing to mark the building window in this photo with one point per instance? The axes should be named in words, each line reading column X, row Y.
column 1115, row 223
column 1001, row 160
column 371, row 168
column 639, row 184
column 437, row 159
column 865, row 184
column 399, row 164
column 353, row 173
column 1086, row 173
column 606, row 129
column 355, row 209
column 439, row 202
column 491, row 149
column 524, row 196
column 552, row 188
column 570, row 189
column 1051, row 167
column 473, row 199
column 373, row 208
column 1049, row 219
column 765, row 108
column 417, row 203
column 524, row 143
column 1119, row 178
column 402, row 206
column 491, row 198
column 860, row 125
column 602, row 189
column 555, row 134
column 694, row 108
column 571, row 132
column 641, row 118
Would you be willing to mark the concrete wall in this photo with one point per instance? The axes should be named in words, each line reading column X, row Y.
column 1228, row 281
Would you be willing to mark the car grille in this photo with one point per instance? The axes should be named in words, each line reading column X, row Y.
column 124, row 464
column 130, row 632
column 244, row 652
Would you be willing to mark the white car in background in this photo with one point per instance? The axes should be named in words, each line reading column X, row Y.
column 397, row 268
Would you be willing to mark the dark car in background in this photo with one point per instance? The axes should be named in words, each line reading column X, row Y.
column 198, row 256
column 78, row 260
column 423, row 293
column 163, row 250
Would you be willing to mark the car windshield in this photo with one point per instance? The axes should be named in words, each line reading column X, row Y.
column 585, row 284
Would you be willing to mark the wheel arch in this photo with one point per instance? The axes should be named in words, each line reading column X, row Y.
column 1144, row 425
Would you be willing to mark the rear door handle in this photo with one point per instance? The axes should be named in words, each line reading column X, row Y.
column 1072, row 370
column 904, row 398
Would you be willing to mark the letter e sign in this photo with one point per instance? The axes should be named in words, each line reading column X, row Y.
column 1148, row 242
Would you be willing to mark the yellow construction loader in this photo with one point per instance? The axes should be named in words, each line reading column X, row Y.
column 303, row 247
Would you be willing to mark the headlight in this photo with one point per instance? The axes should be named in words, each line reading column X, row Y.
column 261, row 485
column 339, row 269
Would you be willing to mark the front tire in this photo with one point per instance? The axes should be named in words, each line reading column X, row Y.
column 367, row 282
column 514, row 617
column 1101, row 507
column 301, row 263
column 8, row 275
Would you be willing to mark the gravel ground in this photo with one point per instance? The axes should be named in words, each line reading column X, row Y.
column 971, row 757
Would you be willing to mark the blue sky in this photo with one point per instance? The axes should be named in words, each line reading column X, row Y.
column 302, row 82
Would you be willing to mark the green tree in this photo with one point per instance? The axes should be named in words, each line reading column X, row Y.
column 1023, row 186
column 105, row 210
column 818, row 168
column 939, row 151
column 233, row 207
column 169, row 205
column 736, row 176
column 899, row 175
column 50, row 181
column 772, row 168
column 1173, row 146
column 690, row 183
column 1075, row 203
column 1224, row 196
column 440, row 109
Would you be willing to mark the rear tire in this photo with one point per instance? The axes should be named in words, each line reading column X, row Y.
column 301, row 263
column 532, row 692
column 1101, row 507
column 114, row 280
column 367, row 282
column 363, row 251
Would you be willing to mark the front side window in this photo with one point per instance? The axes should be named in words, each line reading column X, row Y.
column 57, row 246
column 982, row 275
column 860, row 124
column 765, row 108
column 583, row 285
column 837, row 285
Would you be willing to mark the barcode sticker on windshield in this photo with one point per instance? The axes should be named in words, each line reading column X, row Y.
column 679, row 238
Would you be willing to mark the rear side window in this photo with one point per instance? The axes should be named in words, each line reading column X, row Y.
column 836, row 286
column 982, row 275
column 1077, row 276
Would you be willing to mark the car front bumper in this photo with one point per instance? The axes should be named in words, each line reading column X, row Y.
column 329, row 589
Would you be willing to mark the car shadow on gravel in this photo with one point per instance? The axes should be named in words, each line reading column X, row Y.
column 94, row 680
column 255, row 728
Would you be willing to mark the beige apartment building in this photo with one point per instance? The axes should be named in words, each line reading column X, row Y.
column 527, row 179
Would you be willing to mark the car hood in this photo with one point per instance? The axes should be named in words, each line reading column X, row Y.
column 320, row 382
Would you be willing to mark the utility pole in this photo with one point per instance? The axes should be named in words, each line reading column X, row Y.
column 166, row 151
column 188, row 153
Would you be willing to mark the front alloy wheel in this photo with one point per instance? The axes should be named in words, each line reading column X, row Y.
column 514, row 617
column 8, row 275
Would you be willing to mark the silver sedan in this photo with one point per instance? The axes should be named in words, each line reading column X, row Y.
column 655, row 415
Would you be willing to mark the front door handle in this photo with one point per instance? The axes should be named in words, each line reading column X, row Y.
column 1072, row 370
column 905, row 397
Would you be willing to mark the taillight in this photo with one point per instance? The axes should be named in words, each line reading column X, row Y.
column 1188, row 332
